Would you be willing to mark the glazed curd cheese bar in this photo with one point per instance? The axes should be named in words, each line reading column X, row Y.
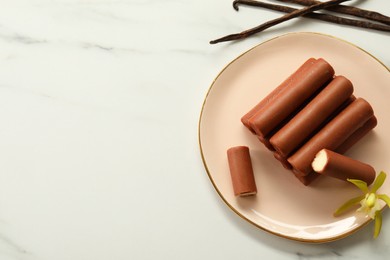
column 319, row 71
column 332, row 135
column 274, row 94
column 311, row 110
column 336, row 165
column 302, row 125
column 344, row 147
column 241, row 171
column 283, row 158
column 299, row 88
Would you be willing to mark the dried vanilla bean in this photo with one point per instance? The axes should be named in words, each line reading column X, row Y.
column 276, row 21
column 343, row 9
column 318, row 16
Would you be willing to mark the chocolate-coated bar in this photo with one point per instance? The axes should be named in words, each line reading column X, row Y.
column 358, row 134
column 266, row 139
column 241, row 171
column 297, row 74
column 332, row 135
column 354, row 138
column 311, row 117
column 336, row 165
column 370, row 124
column 296, row 93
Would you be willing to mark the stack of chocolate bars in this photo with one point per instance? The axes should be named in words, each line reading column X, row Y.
column 311, row 110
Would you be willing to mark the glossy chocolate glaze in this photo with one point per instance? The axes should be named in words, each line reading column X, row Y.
column 332, row 135
column 297, row 91
column 311, row 117
column 241, row 171
column 274, row 94
column 342, row 167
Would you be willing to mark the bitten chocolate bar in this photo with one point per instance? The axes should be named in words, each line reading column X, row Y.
column 344, row 147
column 333, row 135
column 335, row 165
column 241, row 171
column 309, row 111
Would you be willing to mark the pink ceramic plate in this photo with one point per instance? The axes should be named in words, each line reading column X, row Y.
column 283, row 206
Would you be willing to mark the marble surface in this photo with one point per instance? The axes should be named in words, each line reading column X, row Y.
column 100, row 101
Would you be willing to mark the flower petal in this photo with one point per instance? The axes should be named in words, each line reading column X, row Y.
column 372, row 213
column 380, row 179
column 371, row 200
column 360, row 184
column 385, row 198
column 377, row 205
column 378, row 224
column 348, row 205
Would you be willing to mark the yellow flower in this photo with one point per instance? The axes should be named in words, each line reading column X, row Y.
column 369, row 201
column 369, row 205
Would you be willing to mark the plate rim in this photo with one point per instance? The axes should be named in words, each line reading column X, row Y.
column 313, row 241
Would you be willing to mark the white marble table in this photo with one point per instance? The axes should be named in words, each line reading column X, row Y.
column 99, row 103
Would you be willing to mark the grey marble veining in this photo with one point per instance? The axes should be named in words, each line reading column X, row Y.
column 99, row 104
